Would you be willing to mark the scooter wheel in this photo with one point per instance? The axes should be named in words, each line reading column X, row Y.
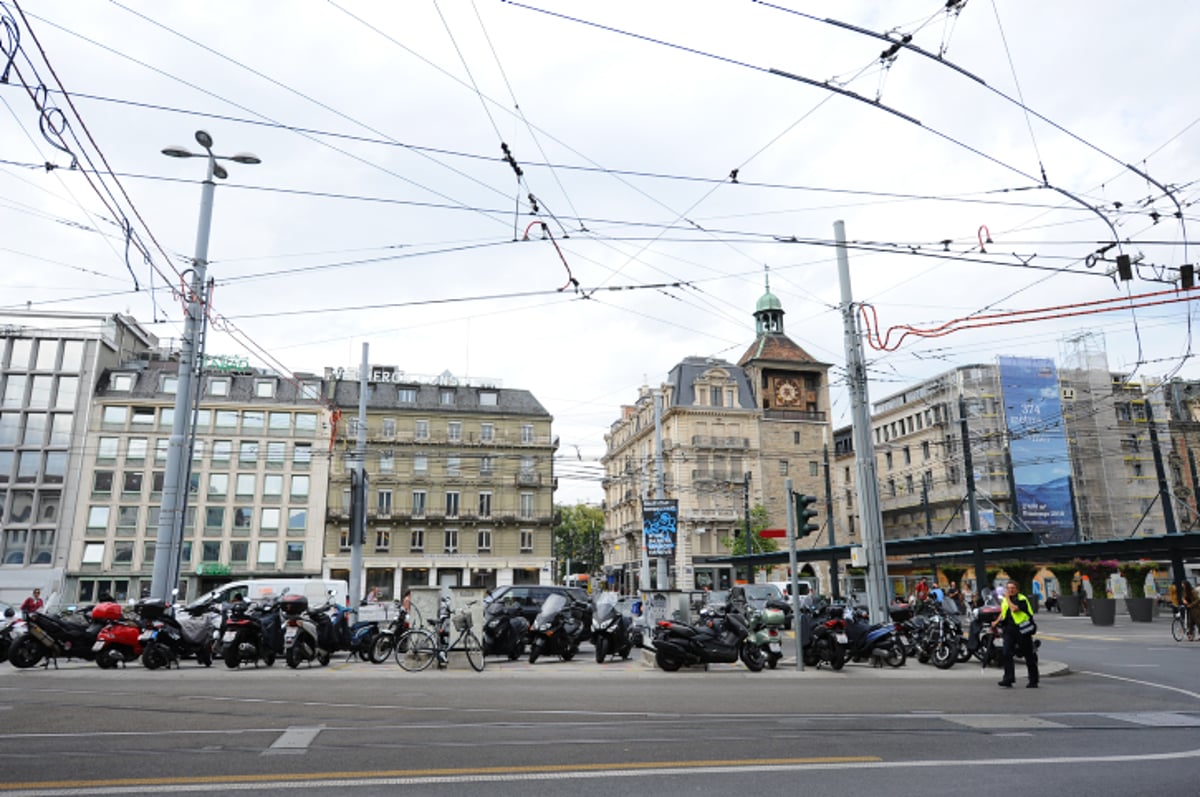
column 837, row 656
column 752, row 656
column 381, row 648
column 517, row 651
column 896, row 657
column 154, row 658
column 231, row 657
column 625, row 651
column 293, row 656
column 268, row 657
column 323, row 658
column 26, row 652
column 569, row 653
column 601, row 649
column 667, row 663
column 535, row 650
column 772, row 661
column 109, row 658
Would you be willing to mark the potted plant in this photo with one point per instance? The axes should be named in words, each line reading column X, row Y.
column 1022, row 573
column 1068, row 601
column 1103, row 608
column 1140, row 608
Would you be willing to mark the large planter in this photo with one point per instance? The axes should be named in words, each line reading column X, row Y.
column 1141, row 610
column 1068, row 605
column 1104, row 610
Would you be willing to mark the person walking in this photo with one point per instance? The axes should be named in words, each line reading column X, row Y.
column 1015, row 614
column 1191, row 606
column 33, row 603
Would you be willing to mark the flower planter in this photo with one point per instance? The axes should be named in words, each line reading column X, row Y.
column 1068, row 605
column 1104, row 610
column 1141, row 610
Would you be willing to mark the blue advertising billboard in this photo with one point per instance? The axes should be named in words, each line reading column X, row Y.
column 660, row 519
column 1038, row 447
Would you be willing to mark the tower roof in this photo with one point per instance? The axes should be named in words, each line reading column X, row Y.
column 768, row 301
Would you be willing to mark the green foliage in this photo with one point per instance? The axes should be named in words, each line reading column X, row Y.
column 1135, row 576
column 577, row 531
column 758, row 521
column 953, row 573
column 1020, row 572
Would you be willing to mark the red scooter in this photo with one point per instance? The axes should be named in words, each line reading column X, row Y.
column 119, row 640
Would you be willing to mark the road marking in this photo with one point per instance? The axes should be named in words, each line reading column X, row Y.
column 1158, row 719
column 999, row 721
column 1187, row 692
column 295, row 739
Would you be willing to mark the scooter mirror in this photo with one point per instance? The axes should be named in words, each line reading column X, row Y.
column 10, row 612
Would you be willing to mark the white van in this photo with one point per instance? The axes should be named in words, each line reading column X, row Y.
column 315, row 589
column 806, row 586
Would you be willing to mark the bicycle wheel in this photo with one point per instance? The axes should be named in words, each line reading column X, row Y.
column 416, row 650
column 474, row 650
column 1177, row 629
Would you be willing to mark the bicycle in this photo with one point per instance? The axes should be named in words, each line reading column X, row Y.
column 418, row 648
column 1179, row 623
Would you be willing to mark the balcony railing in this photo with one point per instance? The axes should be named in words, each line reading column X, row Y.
column 709, row 441
column 794, row 415
column 716, row 476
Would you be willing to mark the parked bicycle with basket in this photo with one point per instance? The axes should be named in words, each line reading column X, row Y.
column 420, row 647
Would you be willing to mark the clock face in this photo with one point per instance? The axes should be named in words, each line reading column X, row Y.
column 786, row 391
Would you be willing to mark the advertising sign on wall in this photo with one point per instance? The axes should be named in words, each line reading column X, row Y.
column 1038, row 446
column 660, row 519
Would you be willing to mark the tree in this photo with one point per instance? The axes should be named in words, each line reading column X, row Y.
column 758, row 521
column 577, row 532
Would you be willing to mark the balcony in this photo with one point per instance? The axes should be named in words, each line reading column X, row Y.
column 716, row 476
column 708, row 441
column 794, row 415
column 527, row 479
column 708, row 515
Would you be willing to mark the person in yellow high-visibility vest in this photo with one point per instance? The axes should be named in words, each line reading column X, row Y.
column 1015, row 612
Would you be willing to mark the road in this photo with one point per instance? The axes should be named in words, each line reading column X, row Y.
column 1126, row 720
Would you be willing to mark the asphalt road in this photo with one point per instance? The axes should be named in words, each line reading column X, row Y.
column 1125, row 720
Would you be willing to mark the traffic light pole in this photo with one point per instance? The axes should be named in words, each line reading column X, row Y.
column 797, row 617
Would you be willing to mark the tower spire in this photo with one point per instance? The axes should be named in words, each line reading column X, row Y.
column 768, row 314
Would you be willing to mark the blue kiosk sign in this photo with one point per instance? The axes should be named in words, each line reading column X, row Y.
column 660, row 519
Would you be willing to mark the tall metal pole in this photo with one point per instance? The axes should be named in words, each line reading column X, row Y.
column 660, row 489
column 798, row 617
column 169, row 540
column 980, row 563
column 359, row 531
column 1164, row 495
column 833, row 562
column 864, row 444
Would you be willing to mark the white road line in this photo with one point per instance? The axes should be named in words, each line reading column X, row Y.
column 1159, row 719
column 1169, row 688
column 295, row 739
column 1002, row 721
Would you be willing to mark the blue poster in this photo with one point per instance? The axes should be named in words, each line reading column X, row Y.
column 659, row 522
column 1038, row 446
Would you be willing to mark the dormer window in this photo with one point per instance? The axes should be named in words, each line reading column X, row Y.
column 487, row 398
column 121, row 383
column 218, row 386
column 264, row 388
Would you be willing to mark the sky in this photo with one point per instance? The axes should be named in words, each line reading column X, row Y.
column 665, row 157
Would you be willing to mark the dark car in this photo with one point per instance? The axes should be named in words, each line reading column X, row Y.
column 530, row 598
column 759, row 596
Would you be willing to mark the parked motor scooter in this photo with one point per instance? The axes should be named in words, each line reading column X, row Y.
column 384, row 643
column 304, row 631
column 864, row 642
column 69, row 635
column 13, row 627
column 719, row 638
column 119, row 641
column 610, row 628
column 558, row 628
column 505, row 630
column 819, row 639
column 766, row 625
column 249, row 632
column 169, row 637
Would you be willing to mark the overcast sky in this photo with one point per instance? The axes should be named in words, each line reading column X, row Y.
column 383, row 210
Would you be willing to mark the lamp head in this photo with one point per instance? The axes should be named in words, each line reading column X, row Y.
column 204, row 139
column 247, row 158
column 177, row 152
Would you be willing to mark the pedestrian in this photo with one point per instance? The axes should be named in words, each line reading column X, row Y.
column 33, row 603
column 922, row 592
column 1191, row 604
column 1016, row 624
column 1052, row 601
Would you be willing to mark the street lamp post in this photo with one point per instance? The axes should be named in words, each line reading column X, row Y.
column 169, row 542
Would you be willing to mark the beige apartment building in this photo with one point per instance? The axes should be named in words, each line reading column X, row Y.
column 460, row 483
column 256, row 496
column 49, row 363
column 764, row 418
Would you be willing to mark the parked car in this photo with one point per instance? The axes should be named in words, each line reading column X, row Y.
column 759, row 595
column 530, row 598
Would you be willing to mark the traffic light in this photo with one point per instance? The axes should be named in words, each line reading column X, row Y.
column 804, row 515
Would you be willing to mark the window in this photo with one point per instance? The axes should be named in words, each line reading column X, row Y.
column 297, row 519
column 137, row 448
column 302, row 454
column 275, row 454
column 344, row 540
column 272, row 485
column 454, row 431
column 418, row 503
column 891, row 487
column 526, row 505
column 526, row 540
column 267, row 552
column 422, row 430
column 383, row 540
column 907, row 456
column 295, row 552
column 210, row 551
column 264, row 388
column 47, row 355
column 143, row 416
column 239, row 552
column 714, row 397
column 203, row 420
column 389, row 427
column 132, row 482
column 483, row 541
column 310, row 390
column 446, row 396
column 98, row 518
column 162, row 448
column 420, row 464
column 214, row 517
column 486, row 466
column 488, row 398
column 814, row 468
column 169, row 384
column 248, row 452
column 253, row 421
column 416, row 540
column 218, row 485
column 406, row 395
column 352, row 427
column 121, row 383
column 242, row 516
column 115, row 416
column 527, row 467
column 300, row 487
column 245, row 485
column 887, row 457
column 487, row 432
column 269, row 520
column 908, row 484
column 14, row 392
column 925, row 450
column 306, row 422
column 387, row 462
column 222, row 450
column 452, row 497
column 280, row 421
column 218, row 386
column 102, row 482
column 783, row 467
column 450, row 540
column 384, row 499
column 485, row 504
column 122, row 553
column 93, row 553
column 527, row 433
column 453, row 465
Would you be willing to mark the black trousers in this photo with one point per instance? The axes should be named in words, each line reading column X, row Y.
column 1015, row 642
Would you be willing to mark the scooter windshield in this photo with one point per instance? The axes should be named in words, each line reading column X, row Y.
column 550, row 609
column 606, row 605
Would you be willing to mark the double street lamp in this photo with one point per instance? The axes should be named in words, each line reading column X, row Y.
column 169, row 542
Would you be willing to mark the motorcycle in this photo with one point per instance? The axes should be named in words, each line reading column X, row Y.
column 864, row 642
column 249, row 632
column 384, row 643
column 311, row 634
column 940, row 639
column 71, row 635
column 505, row 630
column 169, row 638
column 610, row 628
column 12, row 630
column 720, row 637
column 766, row 627
column 119, row 641
column 557, row 629
column 819, row 640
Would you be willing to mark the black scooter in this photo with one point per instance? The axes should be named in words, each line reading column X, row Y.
column 505, row 631
column 558, row 628
column 46, row 636
column 719, row 638
column 610, row 628
column 249, row 632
